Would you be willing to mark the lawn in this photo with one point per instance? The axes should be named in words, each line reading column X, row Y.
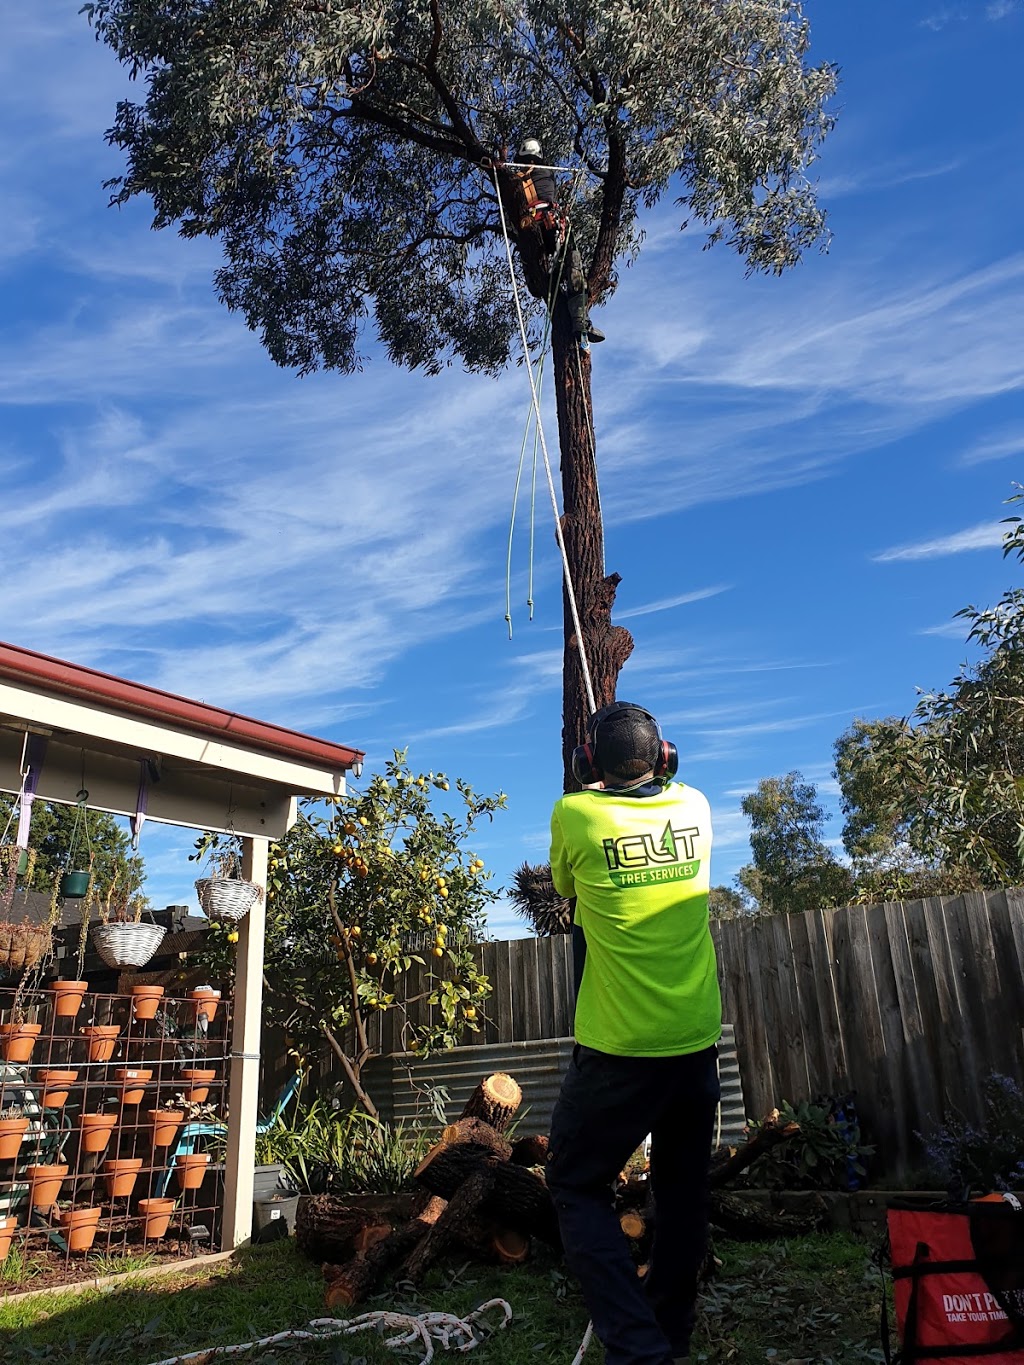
column 809, row 1299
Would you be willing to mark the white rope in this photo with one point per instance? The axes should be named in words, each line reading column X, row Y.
column 587, row 1338
column 570, row 591
column 451, row 1332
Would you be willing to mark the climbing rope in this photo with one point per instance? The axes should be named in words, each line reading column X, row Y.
column 451, row 1332
column 569, row 589
column 539, row 368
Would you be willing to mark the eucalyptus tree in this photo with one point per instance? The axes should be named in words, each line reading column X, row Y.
column 353, row 160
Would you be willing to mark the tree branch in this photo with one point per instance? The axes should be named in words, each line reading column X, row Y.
column 350, row 1072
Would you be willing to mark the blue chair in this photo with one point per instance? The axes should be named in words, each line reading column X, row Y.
column 191, row 1134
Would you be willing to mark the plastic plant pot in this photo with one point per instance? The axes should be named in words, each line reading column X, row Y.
column 80, row 1228
column 189, row 1169
column 156, row 1214
column 74, row 885
column 7, row 1227
column 96, row 1130
column 204, row 1001
column 11, row 1133
column 44, row 1185
column 165, row 1124
column 18, row 1040
column 68, row 997
column 146, row 1000
column 56, row 1087
column 133, row 1083
column 120, row 1174
column 102, row 1039
column 198, row 1080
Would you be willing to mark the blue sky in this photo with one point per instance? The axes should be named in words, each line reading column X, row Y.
column 802, row 478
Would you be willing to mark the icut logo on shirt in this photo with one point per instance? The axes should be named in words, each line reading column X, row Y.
column 646, row 859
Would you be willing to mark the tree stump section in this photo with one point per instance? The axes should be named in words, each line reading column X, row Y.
column 495, row 1101
column 328, row 1229
column 351, row 1283
column 529, row 1151
column 519, row 1199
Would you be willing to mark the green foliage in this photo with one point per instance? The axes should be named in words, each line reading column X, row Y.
column 978, row 1158
column 360, row 892
column 726, row 903
column 328, row 1151
column 341, row 151
column 827, row 1154
column 52, row 838
column 940, row 794
column 795, row 869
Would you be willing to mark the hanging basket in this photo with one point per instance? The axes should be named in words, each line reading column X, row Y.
column 22, row 945
column 227, row 898
column 127, row 944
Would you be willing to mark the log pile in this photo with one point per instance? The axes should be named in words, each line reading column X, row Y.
column 484, row 1196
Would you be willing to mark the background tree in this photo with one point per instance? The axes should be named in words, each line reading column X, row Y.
column 947, row 782
column 725, row 902
column 359, row 891
column 51, row 837
column 350, row 158
column 796, row 870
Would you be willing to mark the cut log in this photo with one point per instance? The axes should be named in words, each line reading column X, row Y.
column 530, row 1151
column 633, row 1224
column 327, row 1228
column 748, row 1221
column 369, row 1237
column 459, row 1217
column 495, row 1100
column 519, row 1198
column 354, row 1281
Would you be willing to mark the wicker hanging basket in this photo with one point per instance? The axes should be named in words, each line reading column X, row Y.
column 227, row 898
column 22, row 945
column 127, row 944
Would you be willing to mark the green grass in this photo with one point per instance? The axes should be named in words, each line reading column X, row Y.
column 812, row 1299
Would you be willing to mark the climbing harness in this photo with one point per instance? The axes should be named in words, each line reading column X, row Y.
column 569, row 588
column 452, row 1333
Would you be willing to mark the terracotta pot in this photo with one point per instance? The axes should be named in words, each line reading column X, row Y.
column 11, row 1133
column 56, row 1087
column 7, row 1226
column 121, row 1173
column 190, row 1168
column 68, row 997
column 96, row 1130
column 133, row 1083
column 206, row 1002
column 156, row 1214
column 145, row 1000
column 102, row 1039
column 165, row 1125
column 80, row 1227
column 18, row 1040
column 198, row 1080
column 44, row 1185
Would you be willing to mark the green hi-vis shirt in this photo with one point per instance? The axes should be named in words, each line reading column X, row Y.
column 639, row 867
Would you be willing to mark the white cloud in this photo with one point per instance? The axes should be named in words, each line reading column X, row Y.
column 667, row 603
column 1000, row 9
column 981, row 537
column 949, row 630
column 995, row 446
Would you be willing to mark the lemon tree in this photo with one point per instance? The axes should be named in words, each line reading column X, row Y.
column 361, row 891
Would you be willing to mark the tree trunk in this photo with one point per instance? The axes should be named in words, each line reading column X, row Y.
column 495, row 1101
column 607, row 647
column 351, row 1283
column 519, row 1199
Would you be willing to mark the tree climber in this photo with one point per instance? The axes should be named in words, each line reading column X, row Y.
column 635, row 854
column 544, row 212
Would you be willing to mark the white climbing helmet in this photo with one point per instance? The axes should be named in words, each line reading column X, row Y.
column 531, row 147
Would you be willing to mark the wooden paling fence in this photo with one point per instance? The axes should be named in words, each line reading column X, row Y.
column 911, row 1004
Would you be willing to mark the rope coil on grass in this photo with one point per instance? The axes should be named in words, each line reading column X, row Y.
column 450, row 1331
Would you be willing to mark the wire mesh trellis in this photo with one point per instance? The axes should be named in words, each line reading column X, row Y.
column 112, row 1128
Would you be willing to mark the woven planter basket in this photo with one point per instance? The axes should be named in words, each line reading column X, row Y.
column 227, row 898
column 22, row 945
column 127, row 945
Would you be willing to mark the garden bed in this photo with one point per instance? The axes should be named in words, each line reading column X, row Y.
column 861, row 1212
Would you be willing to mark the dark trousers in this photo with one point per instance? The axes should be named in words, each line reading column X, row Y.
column 606, row 1108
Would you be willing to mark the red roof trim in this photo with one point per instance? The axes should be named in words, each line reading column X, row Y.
column 88, row 684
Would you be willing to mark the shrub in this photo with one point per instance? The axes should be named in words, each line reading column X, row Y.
column 979, row 1158
column 826, row 1154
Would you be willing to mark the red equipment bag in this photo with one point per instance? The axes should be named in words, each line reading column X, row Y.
column 958, row 1280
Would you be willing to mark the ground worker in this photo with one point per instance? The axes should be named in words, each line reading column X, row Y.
column 635, row 853
column 543, row 211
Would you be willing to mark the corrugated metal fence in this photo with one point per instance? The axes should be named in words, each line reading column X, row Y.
column 399, row 1084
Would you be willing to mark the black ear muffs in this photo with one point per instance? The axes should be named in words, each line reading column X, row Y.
column 584, row 763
